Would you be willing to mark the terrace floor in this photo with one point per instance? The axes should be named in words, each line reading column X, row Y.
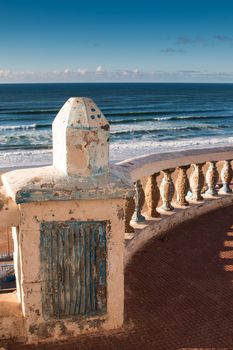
column 178, row 292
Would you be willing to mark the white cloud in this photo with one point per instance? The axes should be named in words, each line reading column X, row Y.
column 82, row 71
column 99, row 71
column 124, row 75
column 128, row 72
column 136, row 71
column 4, row 73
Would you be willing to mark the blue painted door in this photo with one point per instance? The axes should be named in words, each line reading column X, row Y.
column 73, row 266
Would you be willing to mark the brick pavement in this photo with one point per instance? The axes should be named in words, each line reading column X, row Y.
column 178, row 292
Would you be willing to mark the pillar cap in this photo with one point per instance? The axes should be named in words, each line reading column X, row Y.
column 81, row 138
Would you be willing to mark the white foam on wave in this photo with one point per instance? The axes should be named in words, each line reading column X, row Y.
column 118, row 151
column 152, row 127
column 123, row 150
column 25, row 158
column 17, row 127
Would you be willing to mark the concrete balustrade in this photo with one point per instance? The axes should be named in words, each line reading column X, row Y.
column 194, row 195
column 77, row 223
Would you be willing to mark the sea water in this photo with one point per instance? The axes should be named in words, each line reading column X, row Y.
column 144, row 118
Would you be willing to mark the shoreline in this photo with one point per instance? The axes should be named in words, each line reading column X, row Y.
column 119, row 151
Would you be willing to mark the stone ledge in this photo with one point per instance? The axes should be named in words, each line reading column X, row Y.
column 146, row 165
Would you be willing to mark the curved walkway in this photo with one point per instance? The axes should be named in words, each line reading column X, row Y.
column 179, row 292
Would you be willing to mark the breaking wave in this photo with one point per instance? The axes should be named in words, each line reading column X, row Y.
column 23, row 127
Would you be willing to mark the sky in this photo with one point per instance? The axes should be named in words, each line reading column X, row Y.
column 108, row 41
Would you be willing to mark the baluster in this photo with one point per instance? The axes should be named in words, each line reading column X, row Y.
column 129, row 210
column 197, row 181
column 226, row 176
column 167, row 190
column 139, row 202
column 182, row 186
column 212, row 179
column 152, row 195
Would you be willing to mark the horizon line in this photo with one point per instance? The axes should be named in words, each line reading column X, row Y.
column 115, row 82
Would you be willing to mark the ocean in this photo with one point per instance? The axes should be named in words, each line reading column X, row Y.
column 144, row 117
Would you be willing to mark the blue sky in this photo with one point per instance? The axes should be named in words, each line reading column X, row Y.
column 72, row 40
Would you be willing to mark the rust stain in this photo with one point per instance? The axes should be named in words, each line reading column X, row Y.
column 105, row 127
column 48, row 185
column 90, row 137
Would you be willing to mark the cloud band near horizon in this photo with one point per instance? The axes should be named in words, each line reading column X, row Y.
column 103, row 75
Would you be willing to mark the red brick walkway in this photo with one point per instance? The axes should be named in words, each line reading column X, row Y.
column 179, row 292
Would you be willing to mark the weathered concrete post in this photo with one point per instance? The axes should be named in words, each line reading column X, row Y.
column 70, row 233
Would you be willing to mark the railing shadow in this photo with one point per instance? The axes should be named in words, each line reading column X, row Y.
column 179, row 290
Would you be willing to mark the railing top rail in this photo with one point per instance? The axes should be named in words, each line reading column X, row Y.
column 147, row 165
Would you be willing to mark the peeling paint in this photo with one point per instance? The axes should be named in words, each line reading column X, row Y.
column 121, row 214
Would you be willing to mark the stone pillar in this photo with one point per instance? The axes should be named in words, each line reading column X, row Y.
column 152, row 195
column 139, row 202
column 182, row 186
column 70, row 233
column 226, row 177
column 212, row 179
column 82, row 147
column 167, row 190
column 197, row 181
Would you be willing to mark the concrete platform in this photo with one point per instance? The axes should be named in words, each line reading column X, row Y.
column 179, row 292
